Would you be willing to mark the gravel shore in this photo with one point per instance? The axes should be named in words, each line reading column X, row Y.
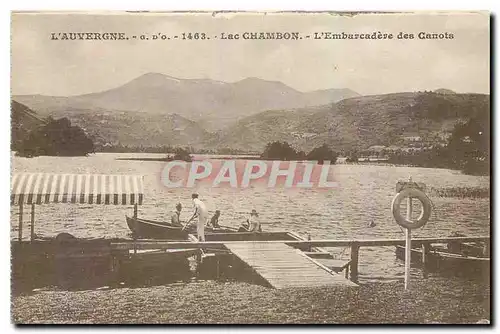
column 448, row 301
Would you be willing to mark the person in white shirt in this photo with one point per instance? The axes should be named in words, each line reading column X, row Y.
column 253, row 223
column 200, row 211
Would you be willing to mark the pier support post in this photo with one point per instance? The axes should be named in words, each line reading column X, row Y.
column 354, row 262
column 486, row 249
column 217, row 274
column 425, row 254
column 20, row 236
column 32, row 234
column 134, row 235
column 409, row 213
column 198, row 258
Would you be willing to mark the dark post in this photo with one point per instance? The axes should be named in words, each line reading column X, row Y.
column 354, row 261
column 197, row 258
column 218, row 267
column 425, row 254
column 134, row 235
column 32, row 222
column 486, row 248
column 20, row 220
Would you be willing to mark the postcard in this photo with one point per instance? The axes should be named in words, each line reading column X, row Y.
column 250, row 168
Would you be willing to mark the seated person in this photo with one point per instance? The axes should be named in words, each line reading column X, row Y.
column 253, row 223
column 214, row 222
column 175, row 218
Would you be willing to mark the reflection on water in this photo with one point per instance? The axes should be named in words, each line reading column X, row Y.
column 364, row 194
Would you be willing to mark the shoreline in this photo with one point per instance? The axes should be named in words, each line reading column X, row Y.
column 429, row 301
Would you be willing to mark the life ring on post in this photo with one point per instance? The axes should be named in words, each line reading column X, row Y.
column 426, row 208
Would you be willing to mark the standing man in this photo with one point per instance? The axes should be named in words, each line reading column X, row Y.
column 200, row 210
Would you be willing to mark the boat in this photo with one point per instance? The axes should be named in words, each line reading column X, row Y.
column 466, row 259
column 146, row 228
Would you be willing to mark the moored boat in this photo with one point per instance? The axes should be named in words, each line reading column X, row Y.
column 146, row 228
column 468, row 260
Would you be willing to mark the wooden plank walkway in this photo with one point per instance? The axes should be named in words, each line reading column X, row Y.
column 283, row 266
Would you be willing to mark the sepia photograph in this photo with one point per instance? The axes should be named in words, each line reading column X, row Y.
column 250, row 168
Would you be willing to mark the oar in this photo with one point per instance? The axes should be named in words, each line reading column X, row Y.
column 187, row 224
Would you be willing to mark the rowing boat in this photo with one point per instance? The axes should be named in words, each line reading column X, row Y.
column 469, row 260
column 146, row 228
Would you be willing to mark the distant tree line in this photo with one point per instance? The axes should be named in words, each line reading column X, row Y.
column 468, row 150
column 283, row 151
column 181, row 154
column 56, row 137
column 121, row 148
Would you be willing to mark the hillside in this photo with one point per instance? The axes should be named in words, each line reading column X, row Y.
column 137, row 129
column 354, row 123
column 32, row 135
column 23, row 120
column 215, row 103
column 357, row 123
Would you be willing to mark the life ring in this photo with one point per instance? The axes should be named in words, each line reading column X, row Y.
column 426, row 208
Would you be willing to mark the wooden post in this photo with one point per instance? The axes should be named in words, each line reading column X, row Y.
column 408, row 242
column 20, row 221
column 198, row 264
column 425, row 253
column 486, row 249
column 217, row 275
column 32, row 234
column 134, row 235
column 354, row 262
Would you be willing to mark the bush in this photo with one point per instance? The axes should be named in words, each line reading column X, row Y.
column 182, row 154
column 323, row 153
column 279, row 151
column 56, row 138
column 283, row 151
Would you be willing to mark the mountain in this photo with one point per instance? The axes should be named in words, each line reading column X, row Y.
column 214, row 103
column 356, row 123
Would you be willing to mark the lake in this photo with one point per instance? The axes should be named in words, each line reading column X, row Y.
column 364, row 193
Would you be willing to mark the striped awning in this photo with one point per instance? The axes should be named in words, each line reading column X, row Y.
column 41, row 188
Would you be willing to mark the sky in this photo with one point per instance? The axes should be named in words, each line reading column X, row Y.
column 40, row 65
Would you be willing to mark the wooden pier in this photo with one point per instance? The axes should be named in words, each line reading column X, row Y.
column 277, row 259
column 304, row 245
column 283, row 266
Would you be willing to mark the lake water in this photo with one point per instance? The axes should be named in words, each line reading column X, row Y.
column 364, row 193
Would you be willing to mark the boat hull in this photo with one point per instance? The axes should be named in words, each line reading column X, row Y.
column 145, row 228
column 441, row 261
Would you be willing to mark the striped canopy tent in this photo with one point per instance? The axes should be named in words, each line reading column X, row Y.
column 43, row 188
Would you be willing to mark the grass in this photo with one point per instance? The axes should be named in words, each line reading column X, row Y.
column 436, row 300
